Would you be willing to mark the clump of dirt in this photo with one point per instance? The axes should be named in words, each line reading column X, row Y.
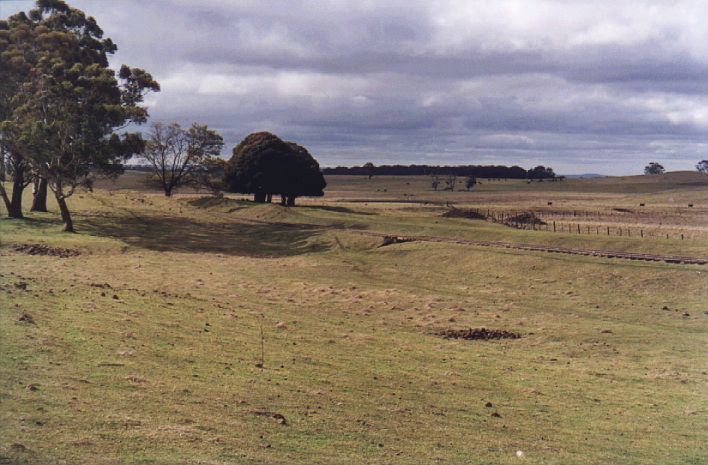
column 40, row 249
column 462, row 213
column 483, row 334
column 388, row 240
column 524, row 218
column 26, row 318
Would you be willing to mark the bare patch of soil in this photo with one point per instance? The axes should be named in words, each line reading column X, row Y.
column 39, row 249
column 388, row 240
column 461, row 213
column 483, row 334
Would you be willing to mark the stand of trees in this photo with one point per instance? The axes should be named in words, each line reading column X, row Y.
column 479, row 171
column 61, row 105
column 264, row 165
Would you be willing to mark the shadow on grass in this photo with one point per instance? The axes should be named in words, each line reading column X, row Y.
column 178, row 234
column 336, row 209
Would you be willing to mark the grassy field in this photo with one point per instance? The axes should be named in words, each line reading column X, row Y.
column 190, row 331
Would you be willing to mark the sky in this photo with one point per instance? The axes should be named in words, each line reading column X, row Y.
column 581, row 86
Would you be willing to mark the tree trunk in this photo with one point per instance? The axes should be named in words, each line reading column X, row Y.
column 269, row 198
column 65, row 214
column 283, row 199
column 39, row 203
column 18, row 185
column 5, row 198
column 291, row 201
column 168, row 192
column 259, row 197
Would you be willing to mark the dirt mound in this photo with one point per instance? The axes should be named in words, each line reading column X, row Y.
column 40, row 249
column 478, row 334
column 389, row 240
column 524, row 218
column 461, row 213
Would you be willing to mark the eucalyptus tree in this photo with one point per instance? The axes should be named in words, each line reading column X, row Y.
column 17, row 53
column 72, row 107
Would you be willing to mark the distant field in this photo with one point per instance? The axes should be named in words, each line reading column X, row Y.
column 202, row 330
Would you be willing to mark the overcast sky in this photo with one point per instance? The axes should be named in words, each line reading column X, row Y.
column 582, row 86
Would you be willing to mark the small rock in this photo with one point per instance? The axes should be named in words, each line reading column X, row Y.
column 32, row 387
column 281, row 325
column 496, row 415
column 26, row 318
column 115, row 297
column 520, row 453
column 686, row 314
column 606, row 331
column 488, row 405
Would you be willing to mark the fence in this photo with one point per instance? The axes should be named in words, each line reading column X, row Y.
column 546, row 224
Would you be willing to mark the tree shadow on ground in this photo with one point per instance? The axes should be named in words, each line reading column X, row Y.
column 186, row 235
column 329, row 208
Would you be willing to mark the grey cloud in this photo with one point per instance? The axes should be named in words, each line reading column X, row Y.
column 559, row 83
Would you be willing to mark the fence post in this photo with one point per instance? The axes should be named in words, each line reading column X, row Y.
column 578, row 228
column 554, row 226
column 608, row 230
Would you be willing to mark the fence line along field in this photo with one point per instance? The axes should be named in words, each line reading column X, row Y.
column 202, row 329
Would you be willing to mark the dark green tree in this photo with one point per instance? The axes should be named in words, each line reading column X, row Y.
column 17, row 56
column 72, row 107
column 369, row 169
column 540, row 172
column 654, row 168
column 470, row 182
column 179, row 156
column 264, row 165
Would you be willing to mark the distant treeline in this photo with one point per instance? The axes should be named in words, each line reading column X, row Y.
column 490, row 171
column 479, row 171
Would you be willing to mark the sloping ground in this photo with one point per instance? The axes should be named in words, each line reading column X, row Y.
column 182, row 334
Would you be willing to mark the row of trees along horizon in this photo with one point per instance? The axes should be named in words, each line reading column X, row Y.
column 64, row 111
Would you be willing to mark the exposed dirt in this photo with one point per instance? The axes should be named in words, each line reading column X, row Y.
column 26, row 318
column 388, row 240
column 40, row 249
column 483, row 334
column 462, row 213
column 524, row 218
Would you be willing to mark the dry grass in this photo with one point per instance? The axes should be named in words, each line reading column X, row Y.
column 144, row 347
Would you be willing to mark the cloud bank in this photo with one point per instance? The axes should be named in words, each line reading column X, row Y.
column 601, row 86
